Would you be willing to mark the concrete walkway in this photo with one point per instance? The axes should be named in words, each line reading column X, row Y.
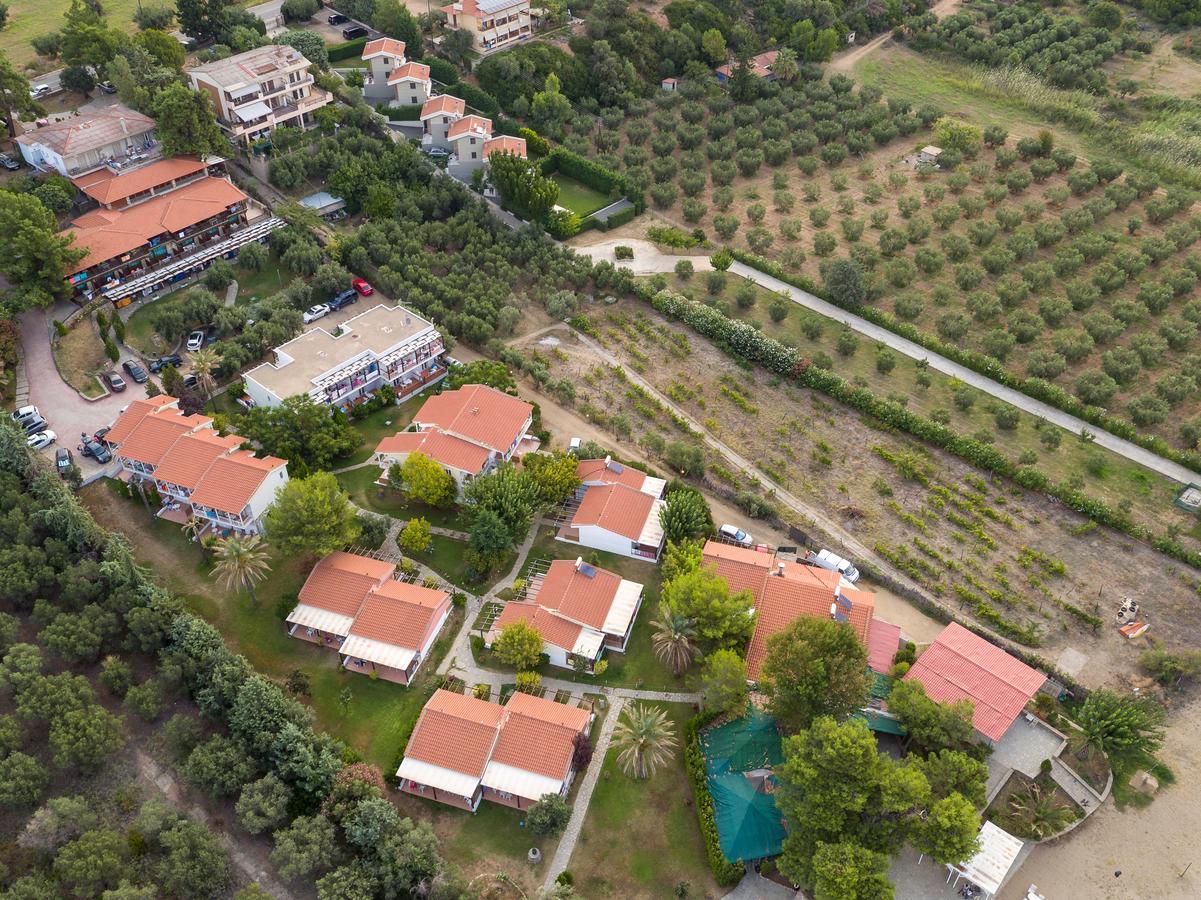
column 1024, row 402
column 755, row 887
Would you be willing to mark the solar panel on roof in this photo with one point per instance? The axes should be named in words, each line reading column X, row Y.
column 587, row 571
column 616, row 468
column 840, row 617
column 843, row 602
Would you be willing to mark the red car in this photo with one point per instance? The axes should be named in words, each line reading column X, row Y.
column 362, row 287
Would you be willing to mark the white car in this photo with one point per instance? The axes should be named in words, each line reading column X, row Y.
column 835, row 563
column 41, row 440
column 38, row 91
column 736, row 535
column 313, row 313
column 25, row 414
column 195, row 340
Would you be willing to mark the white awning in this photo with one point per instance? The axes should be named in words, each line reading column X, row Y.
column 437, row 777
column 621, row 611
column 588, row 644
column 653, row 486
column 244, row 90
column 378, row 652
column 253, row 111
column 652, row 528
column 320, row 619
column 511, row 780
column 992, row 862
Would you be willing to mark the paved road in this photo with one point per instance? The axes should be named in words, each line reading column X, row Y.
column 1024, row 402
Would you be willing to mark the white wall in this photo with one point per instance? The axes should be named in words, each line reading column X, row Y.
column 262, row 499
column 599, row 539
column 259, row 394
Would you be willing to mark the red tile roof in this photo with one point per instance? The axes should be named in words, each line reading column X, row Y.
column 504, row 143
column 455, row 732
column 536, row 735
column 232, row 480
column 741, row 567
column 760, row 65
column 476, row 125
column 603, row 471
column 553, row 629
column 400, row 614
column 443, row 104
column 577, row 596
column 444, row 449
column 477, row 413
column 192, row 455
column 106, row 233
column 154, row 436
column 105, row 186
column 409, row 72
column 134, row 413
column 616, row 508
column 883, row 640
column 960, row 664
column 339, row 582
column 383, row 45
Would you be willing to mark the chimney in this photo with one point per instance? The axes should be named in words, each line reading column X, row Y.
column 475, row 410
column 579, row 561
column 833, row 610
column 780, row 569
column 608, row 459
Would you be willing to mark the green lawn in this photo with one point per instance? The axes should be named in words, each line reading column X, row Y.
column 641, row 839
column 378, row 709
column 28, row 18
column 273, row 278
column 577, row 197
column 360, row 484
column 378, row 425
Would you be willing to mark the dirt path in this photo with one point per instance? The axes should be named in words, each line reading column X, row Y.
column 845, row 62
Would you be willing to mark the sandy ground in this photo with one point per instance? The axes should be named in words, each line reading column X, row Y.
column 1151, row 847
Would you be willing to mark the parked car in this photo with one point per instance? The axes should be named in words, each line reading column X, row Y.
column 107, row 87
column 171, row 359
column 361, row 285
column 826, row 560
column 196, row 340
column 38, row 91
column 354, row 31
column 8, row 162
column 313, row 313
column 338, row 19
column 34, row 425
column 115, row 382
column 736, row 535
column 24, row 414
column 190, row 380
column 436, row 152
column 96, row 450
column 101, row 433
column 344, row 298
column 41, row 440
column 63, row 461
column 134, row 371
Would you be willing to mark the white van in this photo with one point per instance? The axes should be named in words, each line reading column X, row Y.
column 835, row 563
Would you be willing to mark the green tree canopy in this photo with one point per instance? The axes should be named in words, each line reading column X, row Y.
column 932, row 726
column 814, row 667
column 186, row 123
column 850, row 872
column 36, row 258
column 685, row 516
column 722, row 619
column 723, row 682
column 519, row 645
column 312, row 516
column 307, row 434
column 520, row 185
column 549, row 815
column 1121, row 725
column 424, row 481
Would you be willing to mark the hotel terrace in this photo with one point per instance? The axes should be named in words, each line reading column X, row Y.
column 385, row 345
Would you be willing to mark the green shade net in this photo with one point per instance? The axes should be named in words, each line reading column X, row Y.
column 738, row 759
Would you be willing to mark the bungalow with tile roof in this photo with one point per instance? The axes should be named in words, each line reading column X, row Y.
column 380, row 625
column 464, row 750
column 579, row 610
column 437, row 115
column 617, row 519
column 784, row 590
column 197, row 472
column 760, row 67
column 468, row 431
column 594, row 472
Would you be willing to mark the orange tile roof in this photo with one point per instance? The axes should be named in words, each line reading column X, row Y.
column 741, row 567
column 383, row 45
column 552, row 628
column 607, row 472
column 504, row 143
column 478, row 413
column 443, row 104
column 783, row 600
column 455, row 732
column 759, row 65
column 477, row 125
column 961, row 664
column 134, row 413
column 192, row 455
column 536, row 735
column 156, row 434
column 339, row 582
column 106, row 233
column 107, row 187
column 616, row 508
column 400, row 614
column 577, row 596
column 410, row 71
column 232, row 480
column 444, row 449
column 883, row 640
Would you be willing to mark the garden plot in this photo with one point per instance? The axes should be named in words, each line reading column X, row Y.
column 1011, row 560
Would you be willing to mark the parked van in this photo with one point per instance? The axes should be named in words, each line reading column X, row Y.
column 826, row 560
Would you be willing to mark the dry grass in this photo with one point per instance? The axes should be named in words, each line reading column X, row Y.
column 80, row 358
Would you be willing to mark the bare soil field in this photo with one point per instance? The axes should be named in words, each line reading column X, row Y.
column 1014, row 561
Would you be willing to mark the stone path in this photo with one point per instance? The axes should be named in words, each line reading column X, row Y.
column 1024, row 402
column 755, row 887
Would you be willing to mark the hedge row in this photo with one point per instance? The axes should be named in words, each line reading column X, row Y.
column 475, row 98
column 742, row 340
column 400, row 113
column 984, row 364
column 349, row 50
column 593, row 175
column 725, row 873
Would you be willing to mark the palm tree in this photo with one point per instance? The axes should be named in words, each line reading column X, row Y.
column 204, row 361
column 674, row 641
column 192, row 528
column 242, row 563
column 1040, row 811
column 644, row 740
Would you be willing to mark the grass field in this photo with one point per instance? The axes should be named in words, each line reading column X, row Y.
column 641, row 839
column 28, row 18
column 577, row 197
column 360, row 484
column 80, row 357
